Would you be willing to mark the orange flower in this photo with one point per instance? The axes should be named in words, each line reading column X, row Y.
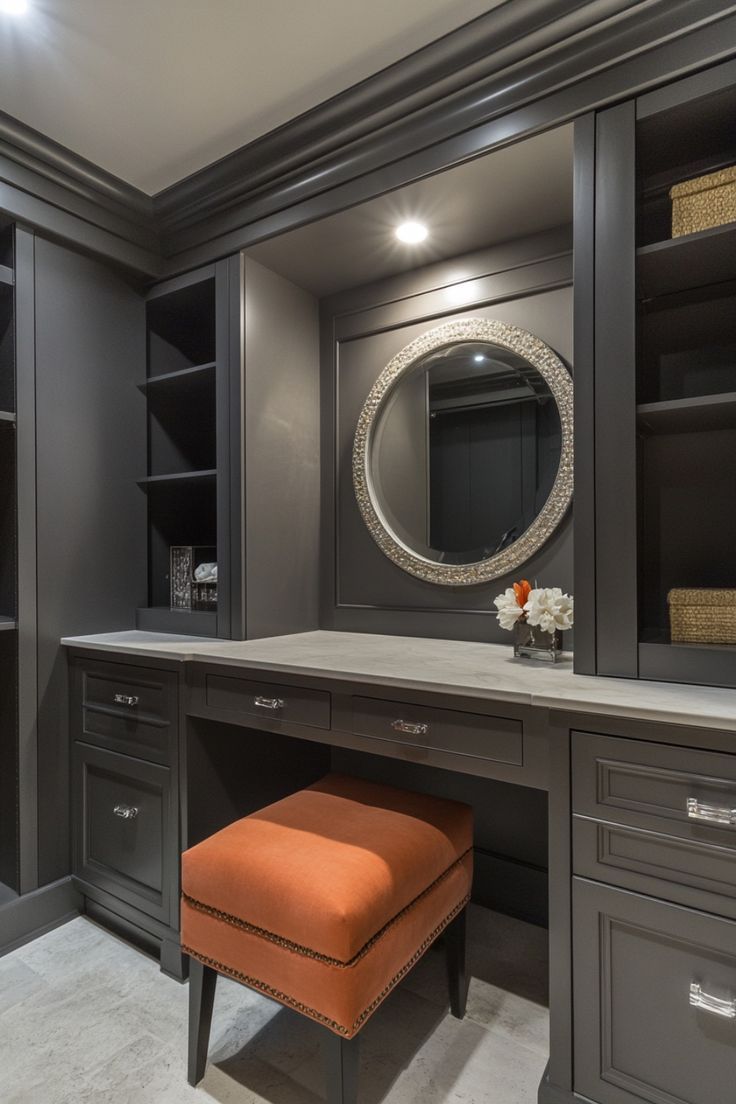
column 521, row 590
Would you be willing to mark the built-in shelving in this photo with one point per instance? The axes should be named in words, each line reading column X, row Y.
column 691, row 261
column 9, row 746
column 184, row 378
column 697, row 415
column 182, row 478
column 686, row 386
column 178, row 477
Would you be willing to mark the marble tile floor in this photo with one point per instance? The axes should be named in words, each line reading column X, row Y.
column 87, row 1019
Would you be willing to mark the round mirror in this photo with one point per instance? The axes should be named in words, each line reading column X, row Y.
column 463, row 452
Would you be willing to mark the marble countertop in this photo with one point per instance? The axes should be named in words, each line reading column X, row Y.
column 448, row 666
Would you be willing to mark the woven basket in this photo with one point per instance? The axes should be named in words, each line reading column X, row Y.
column 704, row 202
column 702, row 616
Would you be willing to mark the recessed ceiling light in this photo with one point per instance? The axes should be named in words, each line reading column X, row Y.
column 14, row 7
column 411, row 232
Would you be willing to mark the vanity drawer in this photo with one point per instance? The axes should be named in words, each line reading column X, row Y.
column 477, row 735
column 128, row 709
column 125, row 828
column 672, row 790
column 686, row 871
column 268, row 700
column 654, row 999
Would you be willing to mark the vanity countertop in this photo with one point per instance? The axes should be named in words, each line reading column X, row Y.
column 448, row 666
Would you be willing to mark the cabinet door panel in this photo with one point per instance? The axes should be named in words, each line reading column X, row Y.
column 125, row 831
column 643, row 1031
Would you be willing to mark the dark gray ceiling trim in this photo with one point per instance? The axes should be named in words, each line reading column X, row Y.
column 52, row 189
column 709, row 43
column 49, row 159
column 522, row 66
column 515, row 54
column 486, row 46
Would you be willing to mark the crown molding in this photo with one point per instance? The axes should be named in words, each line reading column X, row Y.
column 442, row 104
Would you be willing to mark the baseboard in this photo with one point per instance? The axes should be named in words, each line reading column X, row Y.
column 35, row 913
column 511, row 886
column 552, row 1094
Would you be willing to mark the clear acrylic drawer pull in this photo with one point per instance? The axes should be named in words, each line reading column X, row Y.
column 269, row 703
column 726, row 1009
column 710, row 814
column 126, row 699
column 126, row 812
column 412, row 728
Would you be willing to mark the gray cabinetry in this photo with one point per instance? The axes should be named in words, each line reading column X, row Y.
column 126, row 838
column 654, row 970
column 656, row 818
column 655, row 1000
column 125, row 771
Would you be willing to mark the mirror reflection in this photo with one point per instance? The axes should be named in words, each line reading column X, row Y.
column 465, row 451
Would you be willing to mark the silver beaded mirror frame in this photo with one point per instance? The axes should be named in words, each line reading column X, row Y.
column 558, row 379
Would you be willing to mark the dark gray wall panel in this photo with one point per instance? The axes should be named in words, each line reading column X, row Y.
column 91, row 445
column 510, row 828
column 282, row 461
column 371, row 593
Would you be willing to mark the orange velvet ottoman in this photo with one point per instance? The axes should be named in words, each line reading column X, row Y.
column 324, row 901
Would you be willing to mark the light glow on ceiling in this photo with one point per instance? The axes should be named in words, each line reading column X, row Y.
column 14, row 7
column 411, row 233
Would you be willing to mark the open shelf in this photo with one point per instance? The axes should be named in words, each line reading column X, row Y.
column 7, row 276
column 699, row 664
column 7, row 417
column 691, row 261
column 182, row 622
column 688, row 415
column 7, row 624
column 183, row 379
column 178, row 477
column 181, row 329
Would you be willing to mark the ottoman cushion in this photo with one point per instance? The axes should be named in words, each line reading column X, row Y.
column 326, row 899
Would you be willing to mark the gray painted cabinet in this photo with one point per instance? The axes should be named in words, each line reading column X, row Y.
column 654, row 981
column 640, row 1034
column 125, row 818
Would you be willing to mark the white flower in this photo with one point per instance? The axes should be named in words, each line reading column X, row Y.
column 550, row 609
column 509, row 610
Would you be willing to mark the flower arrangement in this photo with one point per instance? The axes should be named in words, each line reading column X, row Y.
column 546, row 608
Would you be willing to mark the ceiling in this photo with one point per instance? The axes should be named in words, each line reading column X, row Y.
column 152, row 90
column 513, row 192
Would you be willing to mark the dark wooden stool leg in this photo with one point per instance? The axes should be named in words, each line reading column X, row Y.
column 202, row 982
column 342, row 1058
column 455, row 943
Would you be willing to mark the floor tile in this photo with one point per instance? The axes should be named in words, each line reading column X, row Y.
column 87, row 1019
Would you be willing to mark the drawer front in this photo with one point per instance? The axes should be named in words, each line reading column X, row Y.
column 471, row 734
column 128, row 709
column 125, row 829
column 678, row 791
column 269, row 701
column 655, row 1000
column 687, row 871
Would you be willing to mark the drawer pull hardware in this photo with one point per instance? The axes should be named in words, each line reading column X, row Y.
column 710, row 814
column 126, row 699
column 412, row 728
column 269, row 703
column 126, row 812
column 714, row 1005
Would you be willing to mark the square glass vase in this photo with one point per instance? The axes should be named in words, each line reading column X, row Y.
column 530, row 642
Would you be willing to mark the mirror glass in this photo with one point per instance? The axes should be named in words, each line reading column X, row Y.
column 465, row 452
